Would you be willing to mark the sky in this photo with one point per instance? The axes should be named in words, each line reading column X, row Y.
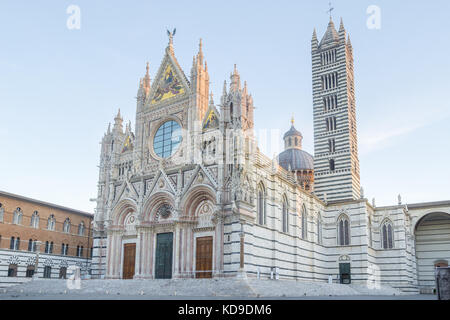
column 60, row 87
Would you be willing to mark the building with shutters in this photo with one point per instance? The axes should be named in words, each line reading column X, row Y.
column 189, row 194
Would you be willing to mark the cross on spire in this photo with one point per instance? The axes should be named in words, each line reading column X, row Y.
column 330, row 10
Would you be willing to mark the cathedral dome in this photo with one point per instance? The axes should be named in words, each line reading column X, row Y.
column 296, row 159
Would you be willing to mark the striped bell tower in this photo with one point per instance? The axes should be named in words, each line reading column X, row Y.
column 336, row 163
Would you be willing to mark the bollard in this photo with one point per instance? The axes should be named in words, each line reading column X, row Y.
column 443, row 283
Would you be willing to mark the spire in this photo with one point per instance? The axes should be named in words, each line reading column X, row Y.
column 235, row 80
column 146, row 80
column 211, row 99
column 314, row 41
column 118, row 122
column 342, row 31
column 330, row 35
column 200, row 52
column 341, row 27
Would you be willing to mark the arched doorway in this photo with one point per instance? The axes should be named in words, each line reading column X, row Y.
column 432, row 234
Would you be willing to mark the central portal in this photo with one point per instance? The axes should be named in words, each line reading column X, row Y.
column 204, row 256
column 163, row 261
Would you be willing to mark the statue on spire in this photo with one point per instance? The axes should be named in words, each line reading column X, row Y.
column 171, row 35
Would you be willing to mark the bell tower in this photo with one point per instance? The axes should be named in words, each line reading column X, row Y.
column 336, row 163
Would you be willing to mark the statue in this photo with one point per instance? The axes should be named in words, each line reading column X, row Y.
column 171, row 35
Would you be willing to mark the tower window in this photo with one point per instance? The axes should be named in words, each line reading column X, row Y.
column 330, row 81
column 332, row 145
column 332, row 165
column 331, row 124
column 330, row 102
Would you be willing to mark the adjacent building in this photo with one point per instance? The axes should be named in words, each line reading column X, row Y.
column 41, row 239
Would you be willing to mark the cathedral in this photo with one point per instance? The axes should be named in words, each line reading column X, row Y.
column 188, row 193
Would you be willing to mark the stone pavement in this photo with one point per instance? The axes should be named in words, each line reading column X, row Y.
column 195, row 289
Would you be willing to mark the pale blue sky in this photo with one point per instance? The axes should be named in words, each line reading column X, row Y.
column 59, row 88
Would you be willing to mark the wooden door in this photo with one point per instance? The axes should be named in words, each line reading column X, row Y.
column 129, row 260
column 163, row 258
column 204, row 257
column 345, row 273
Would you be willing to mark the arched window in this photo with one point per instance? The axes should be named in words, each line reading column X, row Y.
column 12, row 243
column 81, row 229
column 369, row 230
column 304, row 222
column 51, row 247
column 47, row 272
column 30, row 271
column 62, row 272
column 17, row 217
column 261, row 206
column 387, row 235
column 47, row 247
column 231, row 110
column 51, row 222
column 319, row 229
column 35, row 220
column 285, row 214
column 64, row 249
column 343, row 231
column 66, row 226
column 34, row 245
column 30, row 245
column 2, row 211
column 12, row 270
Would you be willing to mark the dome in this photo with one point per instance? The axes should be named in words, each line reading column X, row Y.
column 297, row 159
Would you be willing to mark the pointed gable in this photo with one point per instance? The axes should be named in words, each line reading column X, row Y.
column 128, row 145
column 170, row 82
column 211, row 120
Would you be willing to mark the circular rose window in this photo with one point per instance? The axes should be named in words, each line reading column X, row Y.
column 167, row 139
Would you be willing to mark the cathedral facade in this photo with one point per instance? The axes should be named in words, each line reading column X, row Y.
column 188, row 194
